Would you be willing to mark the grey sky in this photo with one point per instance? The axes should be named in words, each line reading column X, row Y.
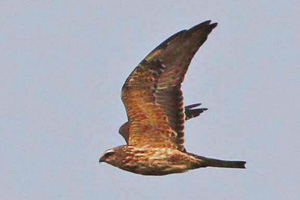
column 63, row 64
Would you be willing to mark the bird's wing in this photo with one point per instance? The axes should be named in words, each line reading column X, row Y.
column 190, row 112
column 124, row 131
column 152, row 93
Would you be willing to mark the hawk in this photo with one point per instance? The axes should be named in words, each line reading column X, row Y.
column 156, row 114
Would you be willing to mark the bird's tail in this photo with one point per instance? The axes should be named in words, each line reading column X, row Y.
column 210, row 162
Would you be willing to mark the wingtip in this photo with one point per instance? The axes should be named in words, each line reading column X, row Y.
column 214, row 25
column 193, row 105
column 204, row 25
column 208, row 22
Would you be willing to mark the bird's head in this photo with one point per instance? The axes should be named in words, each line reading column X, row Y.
column 112, row 156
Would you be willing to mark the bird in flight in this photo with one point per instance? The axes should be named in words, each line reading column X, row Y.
column 156, row 114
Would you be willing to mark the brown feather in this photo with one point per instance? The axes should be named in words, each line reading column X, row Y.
column 156, row 114
column 190, row 112
column 152, row 93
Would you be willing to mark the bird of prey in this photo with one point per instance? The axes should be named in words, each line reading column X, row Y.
column 156, row 114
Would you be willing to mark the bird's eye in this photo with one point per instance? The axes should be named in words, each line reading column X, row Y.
column 109, row 153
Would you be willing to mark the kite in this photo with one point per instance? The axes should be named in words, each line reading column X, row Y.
column 156, row 114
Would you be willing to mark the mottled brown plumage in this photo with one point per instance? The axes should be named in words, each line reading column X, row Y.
column 156, row 114
column 190, row 112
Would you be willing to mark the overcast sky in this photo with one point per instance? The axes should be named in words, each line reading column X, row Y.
column 62, row 66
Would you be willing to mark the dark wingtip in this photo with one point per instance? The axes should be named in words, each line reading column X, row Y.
column 191, row 113
column 192, row 106
column 207, row 24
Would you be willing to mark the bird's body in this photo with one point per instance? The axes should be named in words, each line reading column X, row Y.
column 156, row 114
column 162, row 160
column 153, row 160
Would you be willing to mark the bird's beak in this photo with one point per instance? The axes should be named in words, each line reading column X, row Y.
column 101, row 159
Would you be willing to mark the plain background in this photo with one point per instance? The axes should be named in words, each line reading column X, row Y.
column 63, row 64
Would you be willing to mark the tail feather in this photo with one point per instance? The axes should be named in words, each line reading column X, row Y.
column 225, row 164
column 210, row 162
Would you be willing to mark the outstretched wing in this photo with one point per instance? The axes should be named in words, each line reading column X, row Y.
column 190, row 112
column 152, row 93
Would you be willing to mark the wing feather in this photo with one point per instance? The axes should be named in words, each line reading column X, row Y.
column 190, row 112
column 152, row 93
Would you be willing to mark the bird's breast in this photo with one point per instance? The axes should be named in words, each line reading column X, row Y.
column 155, row 161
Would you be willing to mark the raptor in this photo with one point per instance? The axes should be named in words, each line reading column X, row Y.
column 156, row 114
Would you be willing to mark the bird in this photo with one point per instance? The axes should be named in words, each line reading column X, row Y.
column 153, row 99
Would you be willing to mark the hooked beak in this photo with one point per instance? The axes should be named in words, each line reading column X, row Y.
column 101, row 159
